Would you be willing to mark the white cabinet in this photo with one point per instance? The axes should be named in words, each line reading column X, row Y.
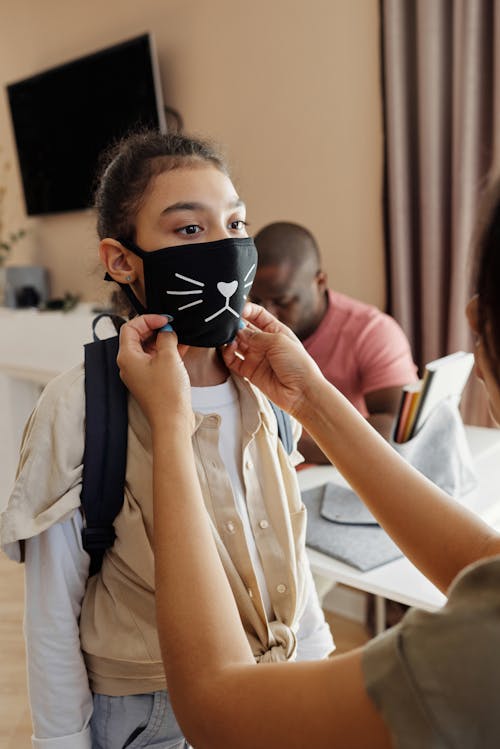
column 34, row 347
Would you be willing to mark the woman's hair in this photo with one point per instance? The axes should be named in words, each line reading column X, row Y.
column 487, row 275
column 126, row 171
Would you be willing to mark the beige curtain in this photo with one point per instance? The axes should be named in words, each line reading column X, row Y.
column 441, row 83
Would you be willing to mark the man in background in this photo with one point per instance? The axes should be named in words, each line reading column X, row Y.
column 359, row 349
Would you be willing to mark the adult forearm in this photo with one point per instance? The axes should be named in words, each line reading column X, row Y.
column 436, row 533
column 199, row 636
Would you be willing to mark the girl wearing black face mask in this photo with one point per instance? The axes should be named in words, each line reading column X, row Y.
column 173, row 236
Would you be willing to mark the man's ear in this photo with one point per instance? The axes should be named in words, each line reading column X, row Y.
column 321, row 281
column 117, row 261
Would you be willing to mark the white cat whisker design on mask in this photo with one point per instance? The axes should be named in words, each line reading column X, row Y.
column 191, row 304
column 189, row 292
column 250, row 282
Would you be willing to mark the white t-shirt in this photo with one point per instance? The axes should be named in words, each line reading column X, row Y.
column 223, row 400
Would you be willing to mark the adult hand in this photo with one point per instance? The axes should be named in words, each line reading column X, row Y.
column 273, row 359
column 151, row 367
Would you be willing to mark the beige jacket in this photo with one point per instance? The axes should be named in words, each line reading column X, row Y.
column 118, row 630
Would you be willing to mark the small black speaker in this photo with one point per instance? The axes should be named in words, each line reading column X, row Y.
column 26, row 285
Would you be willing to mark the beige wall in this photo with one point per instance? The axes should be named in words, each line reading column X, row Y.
column 290, row 87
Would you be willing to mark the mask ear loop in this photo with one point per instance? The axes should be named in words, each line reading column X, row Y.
column 134, row 301
column 132, row 247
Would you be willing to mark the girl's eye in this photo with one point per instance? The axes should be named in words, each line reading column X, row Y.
column 190, row 229
column 238, row 225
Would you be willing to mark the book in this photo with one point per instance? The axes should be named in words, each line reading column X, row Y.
column 409, row 397
column 443, row 378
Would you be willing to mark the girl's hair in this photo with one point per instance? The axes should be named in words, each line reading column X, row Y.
column 487, row 276
column 127, row 168
column 125, row 174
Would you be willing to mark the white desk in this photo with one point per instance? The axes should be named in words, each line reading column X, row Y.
column 400, row 580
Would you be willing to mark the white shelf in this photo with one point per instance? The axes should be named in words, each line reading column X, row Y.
column 34, row 347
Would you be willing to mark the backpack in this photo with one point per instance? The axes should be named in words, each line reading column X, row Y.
column 105, row 453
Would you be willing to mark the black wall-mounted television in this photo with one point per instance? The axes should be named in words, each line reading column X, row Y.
column 65, row 116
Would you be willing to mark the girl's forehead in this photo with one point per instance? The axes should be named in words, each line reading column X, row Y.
column 194, row 183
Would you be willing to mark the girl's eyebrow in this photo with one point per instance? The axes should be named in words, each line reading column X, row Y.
column 183, row 207
column 238, row 203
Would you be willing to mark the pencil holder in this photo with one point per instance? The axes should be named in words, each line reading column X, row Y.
column 440, row 450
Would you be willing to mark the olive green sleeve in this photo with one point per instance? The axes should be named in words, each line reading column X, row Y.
column 435, row 677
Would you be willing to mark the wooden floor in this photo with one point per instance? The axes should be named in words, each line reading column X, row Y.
column 15, row 721
column 346, row 633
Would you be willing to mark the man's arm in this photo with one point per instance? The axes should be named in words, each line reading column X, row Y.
column 311, row 452
column 383, row 406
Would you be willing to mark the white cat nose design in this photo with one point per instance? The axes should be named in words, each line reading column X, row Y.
column 227, row 289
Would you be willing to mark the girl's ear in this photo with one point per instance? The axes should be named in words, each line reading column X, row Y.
column 117, row 261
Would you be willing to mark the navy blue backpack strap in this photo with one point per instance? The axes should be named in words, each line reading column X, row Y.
column 284, row 427
column 105, row 454
column 117, row 321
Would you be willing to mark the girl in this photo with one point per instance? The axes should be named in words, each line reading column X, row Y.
column 431, row 681
column 173, row 234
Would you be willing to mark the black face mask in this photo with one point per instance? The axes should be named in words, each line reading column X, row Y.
column 204, row 286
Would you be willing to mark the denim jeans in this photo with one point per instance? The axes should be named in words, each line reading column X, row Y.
column 135, row 721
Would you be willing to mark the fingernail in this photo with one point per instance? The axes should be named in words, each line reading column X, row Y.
column 242, row 324
column 169, row 317
column 166, row 329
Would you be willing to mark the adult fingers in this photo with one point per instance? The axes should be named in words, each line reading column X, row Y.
column 139, row 329
column 259, row 317
column 134, row 336
column 248, row 351
column 167, row 345
column 232, row 357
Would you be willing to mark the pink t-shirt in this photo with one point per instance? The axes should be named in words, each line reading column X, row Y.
column 360, row 349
